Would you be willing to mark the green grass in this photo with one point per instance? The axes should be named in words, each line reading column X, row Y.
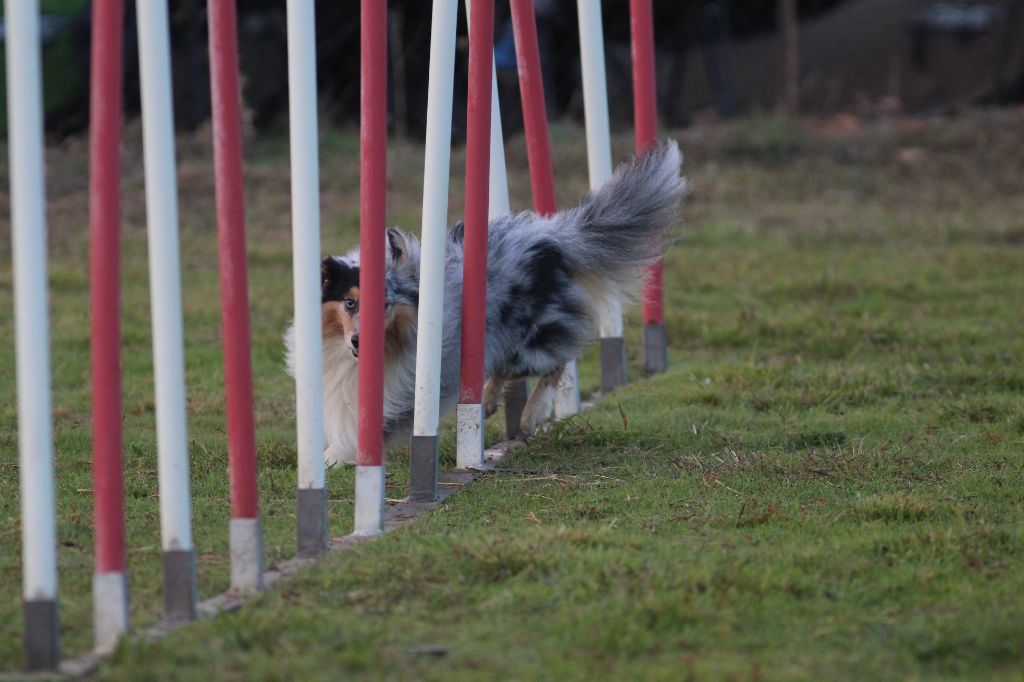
column 826, row 484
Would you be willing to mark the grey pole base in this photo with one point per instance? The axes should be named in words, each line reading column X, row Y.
column 423, row 451
column 179, row 585
column 311, row 516
column 42, row 634
column 655, row 349
column 246, row 549
column 516, row 393
column 613, row 363
column 110, row 615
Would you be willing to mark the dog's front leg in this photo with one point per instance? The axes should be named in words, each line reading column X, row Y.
column 541, row 402
column 492, row 394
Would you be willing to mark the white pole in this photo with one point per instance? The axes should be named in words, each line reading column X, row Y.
column 302, row 105
column 595, row 108
column 436, row 169
column 498, row 201
column 595, row 92
column 165, row 302
column 32, row 343
column 599, row 162
column 435, row 208
column 433, row 240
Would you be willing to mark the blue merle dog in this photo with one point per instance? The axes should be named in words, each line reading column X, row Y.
column 548, row 279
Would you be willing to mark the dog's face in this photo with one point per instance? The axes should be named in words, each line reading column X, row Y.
column 339, row 297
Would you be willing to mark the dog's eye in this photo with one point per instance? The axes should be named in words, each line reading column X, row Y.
column 350, row 304
column 323, row 284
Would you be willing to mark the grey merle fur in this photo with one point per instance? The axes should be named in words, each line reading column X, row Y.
column 548, row 279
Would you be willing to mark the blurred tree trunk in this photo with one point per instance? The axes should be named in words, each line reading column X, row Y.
column 790, row 57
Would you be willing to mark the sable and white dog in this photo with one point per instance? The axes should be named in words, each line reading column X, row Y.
column 547, row 280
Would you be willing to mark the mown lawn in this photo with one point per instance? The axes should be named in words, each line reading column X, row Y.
column 827, row 483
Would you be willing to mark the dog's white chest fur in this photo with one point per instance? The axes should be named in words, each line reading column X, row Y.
column 341, row 395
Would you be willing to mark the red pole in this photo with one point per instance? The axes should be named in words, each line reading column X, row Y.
column 105, row 283
column 478, row 158
column 535, row 119
column 646, row 123
column 372, row 185
column 234, row 295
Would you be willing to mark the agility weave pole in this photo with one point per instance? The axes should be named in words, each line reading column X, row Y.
column 245, row 533
column 423, row 446
column 165, row 304
column 32, row 339
column 373, row 124
column 645, row 114
column 599, row 166
column 470, row 409
column 498, row 204
column 110, row 585
column 311, row 497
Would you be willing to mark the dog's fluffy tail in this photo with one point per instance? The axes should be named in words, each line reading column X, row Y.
column 617, row 229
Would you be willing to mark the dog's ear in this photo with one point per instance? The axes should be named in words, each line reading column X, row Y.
column 325, row 270
column 398, row 250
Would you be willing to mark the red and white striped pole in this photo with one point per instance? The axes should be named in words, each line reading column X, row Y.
column 470, row 410
column 641, row 22
column 246, row 536
column 369, row 503
column 32, row 336
column 109, row 585
column 538, row 150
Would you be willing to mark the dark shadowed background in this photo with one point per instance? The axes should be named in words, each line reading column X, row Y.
column 716, row 58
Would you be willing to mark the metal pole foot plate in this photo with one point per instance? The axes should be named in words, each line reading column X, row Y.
column 423, row 468
column 109, row 609
column 246, row 543
column 311, row 512
column 42, row 635
column 179, row 585
column 469, row 435
column 655, row 349
column 613, row 363
column 369, row 509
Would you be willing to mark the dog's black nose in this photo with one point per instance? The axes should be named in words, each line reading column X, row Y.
column 355, row 341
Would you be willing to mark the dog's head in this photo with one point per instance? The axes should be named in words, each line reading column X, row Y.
column 339, row 295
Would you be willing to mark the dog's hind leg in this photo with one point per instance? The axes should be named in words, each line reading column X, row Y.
column 541, row 402
column 492, row 394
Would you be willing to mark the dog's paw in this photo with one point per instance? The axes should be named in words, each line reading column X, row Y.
column 338, row 455
column 492, row 396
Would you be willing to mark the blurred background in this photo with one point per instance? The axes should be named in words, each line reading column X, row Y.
column 716, row 59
